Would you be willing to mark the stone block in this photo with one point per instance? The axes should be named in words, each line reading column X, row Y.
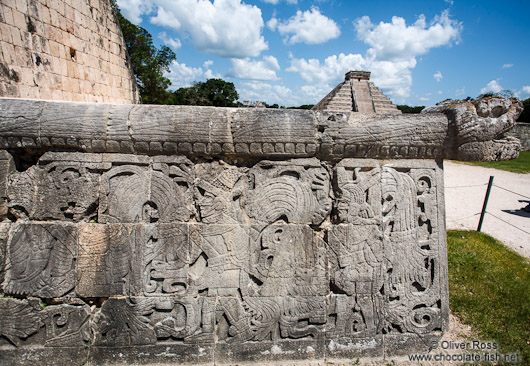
column 64, row 190
column 129, row 193
column 108, row 263
column 41, row 259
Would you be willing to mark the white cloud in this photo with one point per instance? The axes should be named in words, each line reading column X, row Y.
column 460, row 92
column 226, row 28
column 395, row 76
column 333, row 68
column 265, row 92
column 507, row 66
column 207, row 64
column 133, row 9
column 171, row 42
column 440, row 92
column 450, row 2
column 276, row 2
column 423, row 99
column 396, row 40
column 391, row 57
column 272, row 23
column 493, row 86
column 309, row 27
column 181, row 75
column 254, row 69
column 438, row 76
column 523, row 93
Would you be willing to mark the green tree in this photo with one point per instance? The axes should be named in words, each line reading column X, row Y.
column 503, row 93
column 213, row 92
column 525, row 116
column 303, row 106
column 408, row 109
column 148, row 62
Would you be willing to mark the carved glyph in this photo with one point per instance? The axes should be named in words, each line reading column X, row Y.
column 216, row 254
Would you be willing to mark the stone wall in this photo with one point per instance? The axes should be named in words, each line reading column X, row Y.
column 170, row 234
column 71, row 50
column 522, row 131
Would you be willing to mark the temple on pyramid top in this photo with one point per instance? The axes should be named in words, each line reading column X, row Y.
column 357, row 94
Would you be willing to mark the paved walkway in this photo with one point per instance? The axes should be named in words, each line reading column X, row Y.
column 465, row 188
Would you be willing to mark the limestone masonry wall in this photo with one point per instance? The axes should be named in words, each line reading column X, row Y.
column 71, row 50
column 141, row 234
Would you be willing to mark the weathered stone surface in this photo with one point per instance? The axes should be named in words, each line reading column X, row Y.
column 19, row 319
column 476, row 127
column 108, row 260
column 521, row 131
column 7, row 166
column 130, row 193
column 297, row 191
column 252, row 133
column 282, row 260
column 64, row 50
column 57, row 190
column 4, row 232
column 41, row 259
column 288, row 248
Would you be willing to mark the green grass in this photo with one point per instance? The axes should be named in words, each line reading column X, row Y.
column 489, row 289
column 519, row 165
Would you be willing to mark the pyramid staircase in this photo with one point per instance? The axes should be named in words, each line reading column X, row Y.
column 357, row 94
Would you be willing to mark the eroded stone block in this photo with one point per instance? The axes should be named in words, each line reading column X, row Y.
column 132, row 193
column 7, row 166
column 296, row 191
column 56, row 190
column 108, row 262
column 41, row 259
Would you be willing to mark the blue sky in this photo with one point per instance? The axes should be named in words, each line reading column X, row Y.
column 293, row 52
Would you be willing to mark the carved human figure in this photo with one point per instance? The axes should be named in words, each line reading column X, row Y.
column 412, row 302
column 357, row 245
column 400, row 226
column 220, row 249
column 291, row 268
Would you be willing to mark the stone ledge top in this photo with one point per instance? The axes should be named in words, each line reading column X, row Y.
column 221, row 132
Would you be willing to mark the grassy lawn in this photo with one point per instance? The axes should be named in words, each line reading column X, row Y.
column 489, row 289
column 519, row 165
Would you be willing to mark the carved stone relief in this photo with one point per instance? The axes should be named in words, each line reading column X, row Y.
column 55, row 191
column 224, row 256
column 41, row 260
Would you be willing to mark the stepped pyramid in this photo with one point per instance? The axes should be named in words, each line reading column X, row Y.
column 357, row 94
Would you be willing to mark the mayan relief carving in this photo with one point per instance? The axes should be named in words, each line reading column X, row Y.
column 183, row 234
column 409, row 224
column 107, row 263
column 55, row 191
column 213, row 252
column 131, row 193
column 41, row 260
